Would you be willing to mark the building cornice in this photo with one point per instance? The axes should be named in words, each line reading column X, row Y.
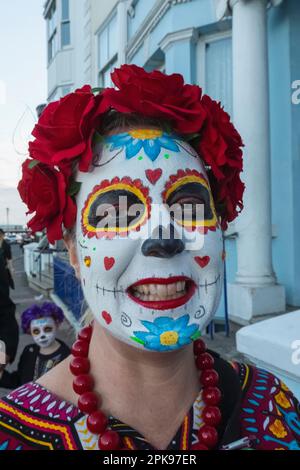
column 188, row 34
column 157, row 12
column 224, row 7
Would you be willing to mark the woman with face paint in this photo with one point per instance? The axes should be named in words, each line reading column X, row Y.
column 140, row 180
column 47, row 351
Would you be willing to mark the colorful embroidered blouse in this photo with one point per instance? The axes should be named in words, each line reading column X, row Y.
column 32, row 418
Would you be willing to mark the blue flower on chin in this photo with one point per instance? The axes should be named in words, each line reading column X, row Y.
column 151, row 140
column 167, row 334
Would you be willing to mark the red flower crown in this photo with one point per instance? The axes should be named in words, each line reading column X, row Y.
column 65, row 130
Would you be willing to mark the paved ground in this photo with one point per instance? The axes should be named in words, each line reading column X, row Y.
column 24, row 296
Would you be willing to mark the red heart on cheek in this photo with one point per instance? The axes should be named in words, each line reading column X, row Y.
column 106, row 316
column 108, row 262
column 202, row 260
column 153, row 175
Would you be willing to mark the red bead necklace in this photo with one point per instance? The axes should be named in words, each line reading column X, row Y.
column 97, row 422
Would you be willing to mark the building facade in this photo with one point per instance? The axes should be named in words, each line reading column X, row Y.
column 245, row 53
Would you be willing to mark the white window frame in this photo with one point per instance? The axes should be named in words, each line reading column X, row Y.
column 54, row 32
column 113, row 59
column 65, row 21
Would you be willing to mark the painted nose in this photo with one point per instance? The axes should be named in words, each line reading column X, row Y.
column 162, row 243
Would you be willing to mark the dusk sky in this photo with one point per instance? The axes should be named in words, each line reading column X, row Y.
column 23, row 85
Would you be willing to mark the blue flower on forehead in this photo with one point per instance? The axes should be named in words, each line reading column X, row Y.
column 151, row 140
column 167, row 334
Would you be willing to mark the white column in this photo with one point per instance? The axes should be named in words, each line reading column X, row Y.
column 255, row 291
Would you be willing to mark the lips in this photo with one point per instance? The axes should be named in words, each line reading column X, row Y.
column 162, row 293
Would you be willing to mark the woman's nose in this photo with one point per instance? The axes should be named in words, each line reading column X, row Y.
column 162, row 243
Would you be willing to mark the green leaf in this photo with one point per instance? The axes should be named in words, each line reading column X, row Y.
column 190, row 137
column 74, row 188
column 97, row 90
column 137, row 340
column 196, row 335
column 33, row 163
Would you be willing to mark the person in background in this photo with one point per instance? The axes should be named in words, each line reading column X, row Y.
column 9, row 330
column 47, row 351
column 6, row 261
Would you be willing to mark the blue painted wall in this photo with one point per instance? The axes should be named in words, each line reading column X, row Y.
column 284, row 67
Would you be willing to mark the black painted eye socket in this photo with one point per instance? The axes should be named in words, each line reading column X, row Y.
column 188, row 196
column 36, row 331
column 117, row 208
column 48, row 329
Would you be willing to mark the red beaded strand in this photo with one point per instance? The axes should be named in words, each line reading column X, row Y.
column 88, row 401
column 97, row 422
column 211, row 395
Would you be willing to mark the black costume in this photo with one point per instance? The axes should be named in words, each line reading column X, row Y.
column 9, row 330
column 33, row 364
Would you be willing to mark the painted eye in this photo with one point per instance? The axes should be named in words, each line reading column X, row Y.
column 48, row 329
column 115, row 207
column 35, row 332
column 193, row 201
column 190, row 200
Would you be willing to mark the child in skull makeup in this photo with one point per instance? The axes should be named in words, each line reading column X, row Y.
column 47, row 351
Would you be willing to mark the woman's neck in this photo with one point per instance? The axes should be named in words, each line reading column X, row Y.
column 150, row 391
column 132, row 365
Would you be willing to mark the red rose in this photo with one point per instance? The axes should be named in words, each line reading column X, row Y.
column 220, row 148
column 65, row 129
column 156, row 95
column 44, row 190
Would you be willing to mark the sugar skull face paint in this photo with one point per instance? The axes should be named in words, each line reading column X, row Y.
column 43, row 331
column 148, row 290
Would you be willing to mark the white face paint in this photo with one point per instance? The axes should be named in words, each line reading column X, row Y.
column 148, row 292
column 43, row 331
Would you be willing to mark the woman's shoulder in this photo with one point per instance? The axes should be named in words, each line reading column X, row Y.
column 35, row 417
column 269, row 409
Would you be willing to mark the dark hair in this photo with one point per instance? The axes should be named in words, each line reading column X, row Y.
column 114, row 121
column 2, row 231
column 47, row 309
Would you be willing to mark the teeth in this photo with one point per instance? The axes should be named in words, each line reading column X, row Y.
column 152, row 288
column 179, row 286
column 150, row 292
column 171, row 289
column 146, row 289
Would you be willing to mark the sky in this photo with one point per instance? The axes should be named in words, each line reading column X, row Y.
column 23, row 85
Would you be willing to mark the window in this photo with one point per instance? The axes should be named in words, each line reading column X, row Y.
column 105, row 80
column 107, row 50
column 52, row 31
column 65, row 23
column 215, row 68
column 65, row 90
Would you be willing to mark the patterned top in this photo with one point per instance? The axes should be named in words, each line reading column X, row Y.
column 33, row 418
